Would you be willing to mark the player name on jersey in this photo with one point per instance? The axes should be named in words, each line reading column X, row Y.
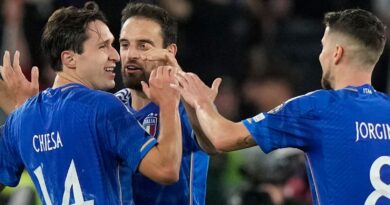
column 372, row 131
column 47, row 142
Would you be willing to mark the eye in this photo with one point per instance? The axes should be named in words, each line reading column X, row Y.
column 124, row 45
column 144, row 46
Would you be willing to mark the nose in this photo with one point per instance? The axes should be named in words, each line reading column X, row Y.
column 114, row 55
column 132, row 54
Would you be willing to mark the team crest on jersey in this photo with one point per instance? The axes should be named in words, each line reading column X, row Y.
column 150, row 124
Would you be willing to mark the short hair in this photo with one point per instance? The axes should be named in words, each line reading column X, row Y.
column 167, row 23
column 362, row 26
column 66, row 29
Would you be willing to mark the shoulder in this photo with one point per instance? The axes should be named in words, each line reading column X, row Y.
column 101, row 101
column 306, row 103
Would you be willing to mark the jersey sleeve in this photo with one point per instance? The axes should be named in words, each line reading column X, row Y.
column 288, row 125
column 124, row 135
column 11, row 166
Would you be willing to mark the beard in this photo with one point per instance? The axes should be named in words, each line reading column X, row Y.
column 326, row 81
column 133, row 81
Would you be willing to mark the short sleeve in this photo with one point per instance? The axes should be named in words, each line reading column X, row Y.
column 11, row 166
column 288, row 125
column 124, row 135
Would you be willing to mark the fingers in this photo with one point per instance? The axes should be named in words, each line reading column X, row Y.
column 1, row 73
column 35, row 78
column 12, row 73
column 216, row 83
column 159, row 71
column 153, row 74
column 146, row 89
column 6, row 60
column 6, row 71
column 16, row 64
column 160, row 55
column 180, row 77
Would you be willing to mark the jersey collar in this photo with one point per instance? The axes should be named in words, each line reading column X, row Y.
column 363, row 89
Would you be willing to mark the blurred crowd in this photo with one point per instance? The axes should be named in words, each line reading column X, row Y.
column 266, row 51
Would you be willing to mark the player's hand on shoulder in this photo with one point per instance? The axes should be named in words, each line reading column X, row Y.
column 159, row 89
column 194, row 91
column 15, row 89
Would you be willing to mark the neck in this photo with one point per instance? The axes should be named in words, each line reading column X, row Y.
column 138, row 99
column 353, row 77
column 63, row 78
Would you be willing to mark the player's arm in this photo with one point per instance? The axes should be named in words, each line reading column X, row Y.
column 202, row 139
column 15, row 89
column 223, row 134
column 162, row 162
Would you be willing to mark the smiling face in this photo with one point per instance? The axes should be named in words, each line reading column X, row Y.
column 95, row 65
column 137, row 36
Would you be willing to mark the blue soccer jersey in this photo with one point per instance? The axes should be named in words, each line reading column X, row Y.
column 346, row 137
column 72, row 140
column 191, row 187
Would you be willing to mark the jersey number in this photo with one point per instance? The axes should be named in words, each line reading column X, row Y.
column 71, row 183
column 381, row 189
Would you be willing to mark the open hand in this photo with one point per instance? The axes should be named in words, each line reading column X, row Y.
column 15, row 89
column 194, row 91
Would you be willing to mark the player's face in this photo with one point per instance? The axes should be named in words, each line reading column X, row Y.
column 95, row 66
column 138, row 35
column 326, row 60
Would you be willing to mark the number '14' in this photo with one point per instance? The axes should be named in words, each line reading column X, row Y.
column 71, row 183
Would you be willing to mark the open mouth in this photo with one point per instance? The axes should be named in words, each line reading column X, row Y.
column 132, row 69
column 109, row 69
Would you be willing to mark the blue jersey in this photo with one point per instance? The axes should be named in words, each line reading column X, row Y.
column 191, row 187
column 72, row 140
column 345, row 135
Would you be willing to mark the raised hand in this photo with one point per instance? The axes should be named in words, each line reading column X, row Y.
column 194, row 91
column 159, row 89
column 162, row 57
column 15, row 89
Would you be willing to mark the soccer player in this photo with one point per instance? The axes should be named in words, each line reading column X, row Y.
column 343, row 129
column 148, row 38
column 71, row 138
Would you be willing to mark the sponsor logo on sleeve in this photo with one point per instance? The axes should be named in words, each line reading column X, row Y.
column 258, row 117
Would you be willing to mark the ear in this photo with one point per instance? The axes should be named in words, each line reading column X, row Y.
column 338, row 54
column 68, row 59
column 172, row 48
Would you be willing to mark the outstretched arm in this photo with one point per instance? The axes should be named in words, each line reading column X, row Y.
column 162, row 162
column 223, row 134
column 15, row 89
